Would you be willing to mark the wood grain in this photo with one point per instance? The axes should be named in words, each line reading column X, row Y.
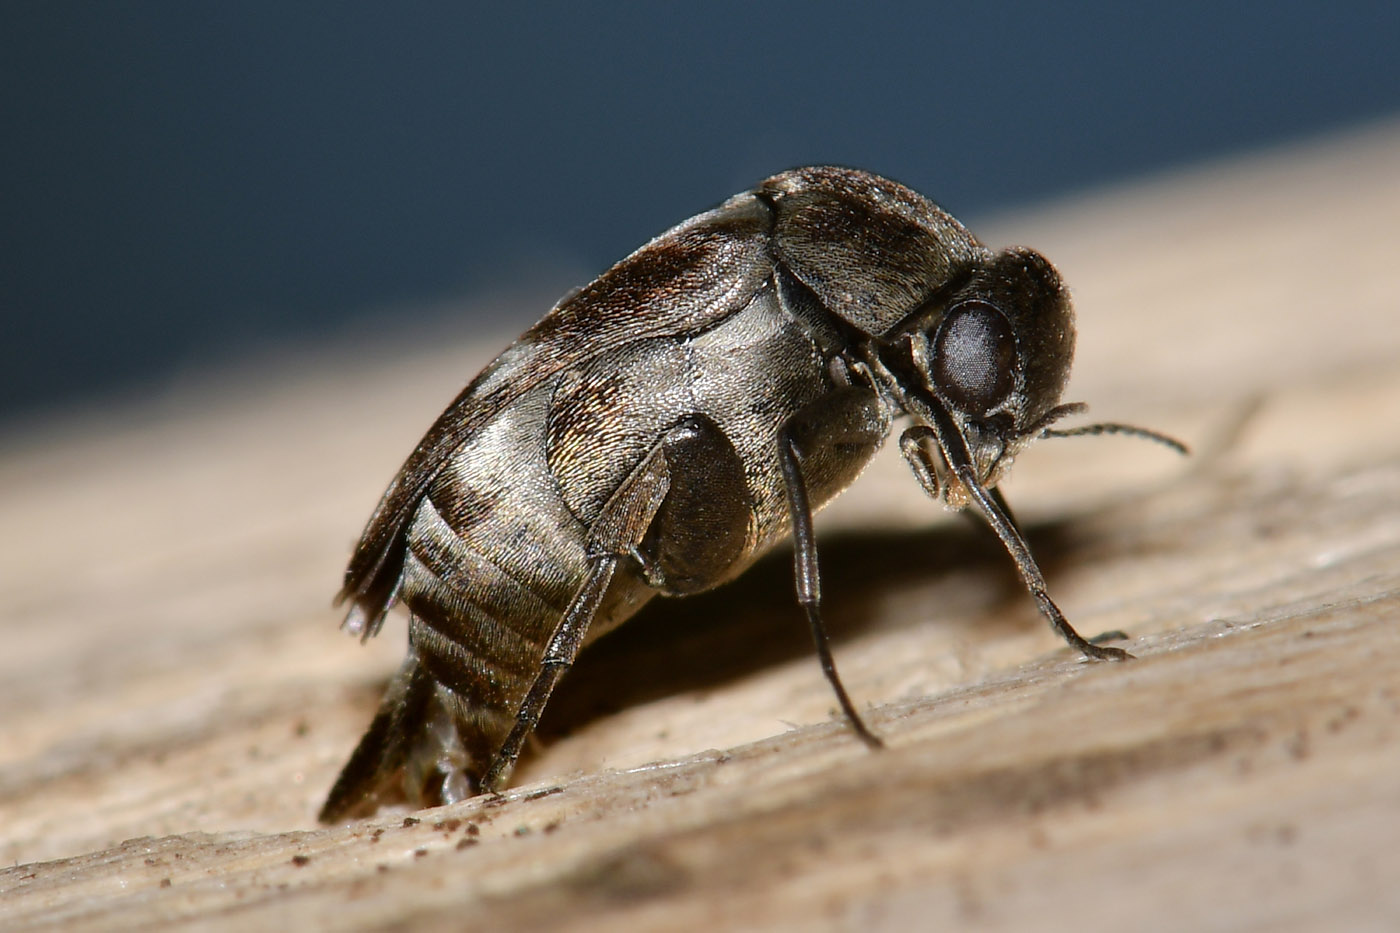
column 177, row 700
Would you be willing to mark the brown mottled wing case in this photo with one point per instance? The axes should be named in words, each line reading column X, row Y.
column 684, row 281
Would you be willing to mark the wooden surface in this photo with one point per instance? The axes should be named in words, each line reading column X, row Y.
column 177, row 698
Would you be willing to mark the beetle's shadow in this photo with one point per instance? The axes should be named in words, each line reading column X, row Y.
column 701, row 642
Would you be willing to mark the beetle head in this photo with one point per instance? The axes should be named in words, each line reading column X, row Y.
column 994, row 356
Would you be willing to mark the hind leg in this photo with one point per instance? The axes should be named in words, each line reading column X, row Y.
column 660, row 480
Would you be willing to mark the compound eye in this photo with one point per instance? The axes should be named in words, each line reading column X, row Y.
column 974, row 355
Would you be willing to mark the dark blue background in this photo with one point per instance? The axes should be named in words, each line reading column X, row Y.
column 184, row 181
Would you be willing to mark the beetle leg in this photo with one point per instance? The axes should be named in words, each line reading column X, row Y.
column 988, row 502
column 911, row 446
column 847, row 417
column 1001, row 503
column 921, row 463
column 613, row 538
column 559, row 656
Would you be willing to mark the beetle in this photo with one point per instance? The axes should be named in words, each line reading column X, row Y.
column 661, row 428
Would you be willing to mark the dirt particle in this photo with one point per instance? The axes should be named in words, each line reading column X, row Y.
column 1342, row 719
column 1299, row 746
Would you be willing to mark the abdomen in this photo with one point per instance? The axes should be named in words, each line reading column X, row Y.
column 494, row 558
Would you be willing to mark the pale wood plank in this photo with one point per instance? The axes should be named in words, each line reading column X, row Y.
column 177, row 700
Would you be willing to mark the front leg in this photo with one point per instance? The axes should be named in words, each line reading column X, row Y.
column 990, row 503
column 920, row 461
column 852, row 419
